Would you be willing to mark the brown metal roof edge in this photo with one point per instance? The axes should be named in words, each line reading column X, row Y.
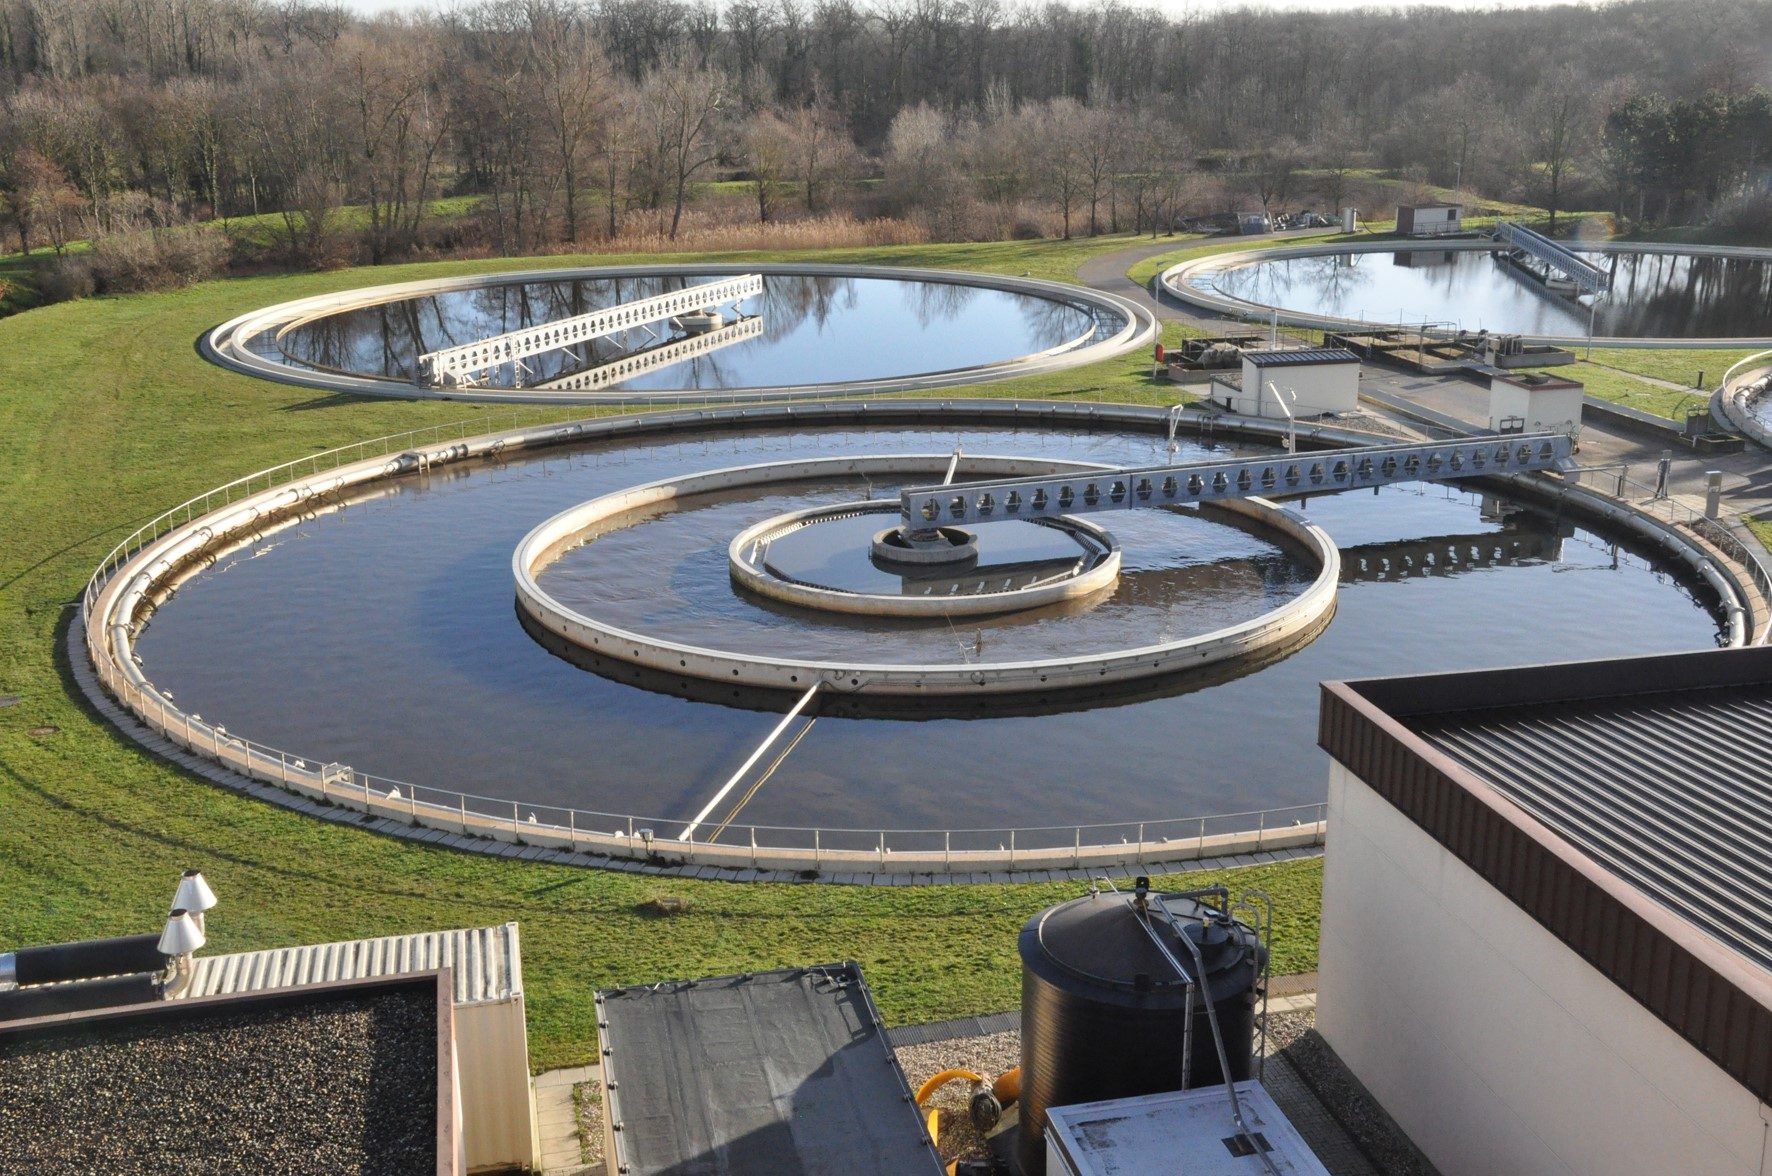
column 1716, row 1000
column 1413, row 695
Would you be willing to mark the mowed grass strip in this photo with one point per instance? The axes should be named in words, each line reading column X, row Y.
column 108, row 416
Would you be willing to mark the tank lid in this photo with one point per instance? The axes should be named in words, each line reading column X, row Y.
column 1099, row 938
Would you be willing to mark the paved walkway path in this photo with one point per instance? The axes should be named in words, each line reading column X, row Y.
column 558, row 1120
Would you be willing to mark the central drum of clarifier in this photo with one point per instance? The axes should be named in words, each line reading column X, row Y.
column 836, row 559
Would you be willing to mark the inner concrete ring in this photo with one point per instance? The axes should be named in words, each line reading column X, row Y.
column 1178, row 282
column 1302, row 614
column 1098, row 568
column 227, row 344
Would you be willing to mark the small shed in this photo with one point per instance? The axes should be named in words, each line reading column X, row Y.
column 485, row 965
column 1430, row 220
column 1313, row 381
column 1534, row 402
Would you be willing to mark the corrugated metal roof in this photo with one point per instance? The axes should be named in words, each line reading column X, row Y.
column 483, row 961
column 1671, row 792
column 1301, row 356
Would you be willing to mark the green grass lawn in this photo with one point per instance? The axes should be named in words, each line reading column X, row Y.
column 107, row 416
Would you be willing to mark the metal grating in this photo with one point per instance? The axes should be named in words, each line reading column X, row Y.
column 484, row 964
column 1301, row 357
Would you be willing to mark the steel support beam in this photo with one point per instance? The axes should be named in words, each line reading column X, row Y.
column 458, row 365
column 1566, row 261
column 1325, row 472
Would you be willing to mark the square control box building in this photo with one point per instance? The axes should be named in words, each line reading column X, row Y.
column 1533, row 402
column 1303, row 382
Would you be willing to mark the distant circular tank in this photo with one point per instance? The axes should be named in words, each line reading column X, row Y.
column 1103, row 1013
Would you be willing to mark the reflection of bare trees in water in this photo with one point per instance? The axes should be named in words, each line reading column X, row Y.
column 933, row 302
column 799, row 311
column 1661, row 294
column 791, row 301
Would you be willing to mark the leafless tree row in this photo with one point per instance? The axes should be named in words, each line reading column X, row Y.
column 567, row 119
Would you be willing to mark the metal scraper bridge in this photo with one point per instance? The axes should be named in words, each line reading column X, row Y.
column 1585, row 274
column 1210, row 481
column 462, row 364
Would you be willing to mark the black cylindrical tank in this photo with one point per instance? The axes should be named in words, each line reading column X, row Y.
column 1103, row 1013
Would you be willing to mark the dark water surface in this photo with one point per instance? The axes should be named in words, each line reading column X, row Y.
column 1654, row 295
column 384, row 635
column 815, row 330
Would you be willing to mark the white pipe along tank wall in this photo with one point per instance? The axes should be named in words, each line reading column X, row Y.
column 1493, row 1045
column 499, row 1126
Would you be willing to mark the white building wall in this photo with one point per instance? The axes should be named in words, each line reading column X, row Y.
column 1496, row 1048
column 1320, row 388
column 1545, row 410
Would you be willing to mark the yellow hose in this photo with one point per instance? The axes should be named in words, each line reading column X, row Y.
column 942, row 1079
column 1007, row 1087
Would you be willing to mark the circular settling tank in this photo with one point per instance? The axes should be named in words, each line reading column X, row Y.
column 805, row 328
column 1701, row 294
column 379, row 629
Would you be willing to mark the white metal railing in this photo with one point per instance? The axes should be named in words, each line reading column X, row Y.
column 455, row 365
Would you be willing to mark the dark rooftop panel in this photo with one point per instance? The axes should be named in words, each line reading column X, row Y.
column 780, row 1073
column 1301, row 356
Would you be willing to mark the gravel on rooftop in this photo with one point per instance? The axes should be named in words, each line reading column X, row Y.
column 348, row 1086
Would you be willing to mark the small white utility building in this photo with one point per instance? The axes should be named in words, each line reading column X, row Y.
column 1532, row 402
column 1437, row 219
column 1546, row 940
column 1303, row 382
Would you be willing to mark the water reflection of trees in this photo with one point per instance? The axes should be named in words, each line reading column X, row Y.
column 388, row 338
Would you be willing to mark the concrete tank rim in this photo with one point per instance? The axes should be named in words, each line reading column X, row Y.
column 1074, row 586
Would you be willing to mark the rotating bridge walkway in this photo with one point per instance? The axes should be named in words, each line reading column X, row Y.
column 1325, row 472
column 460, row 365
column 1590, row 277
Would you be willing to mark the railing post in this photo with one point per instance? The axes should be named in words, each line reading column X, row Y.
column 753, row 847
column 1201, row 851
column 815, row 852
column 1011, row 849
column 516, row 833
column 882, row 849
column 1077, row 847
column 464, row 812
column 572, row 827
column 947, row 849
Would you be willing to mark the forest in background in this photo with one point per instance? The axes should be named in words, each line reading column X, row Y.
column 132, row 131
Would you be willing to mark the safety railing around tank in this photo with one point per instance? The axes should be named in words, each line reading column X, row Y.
column 726, row 843
column 1735, row 406
column 290, row 471
column 1655, row 499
